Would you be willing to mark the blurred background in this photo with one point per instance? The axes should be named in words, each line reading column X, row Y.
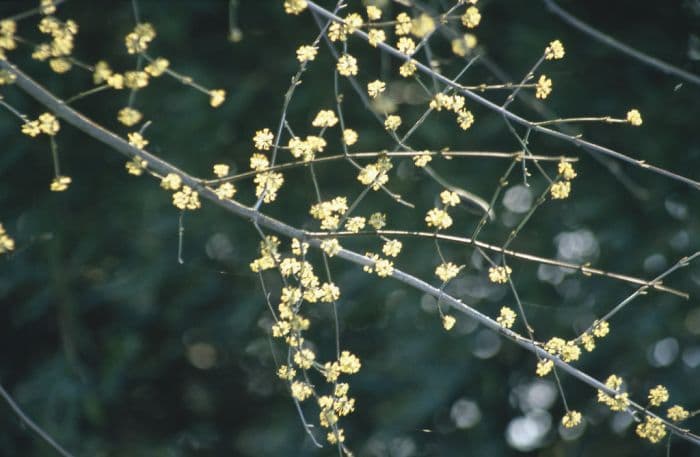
column 116, row 349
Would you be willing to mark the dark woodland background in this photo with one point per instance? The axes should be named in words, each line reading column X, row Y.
column 117, row 350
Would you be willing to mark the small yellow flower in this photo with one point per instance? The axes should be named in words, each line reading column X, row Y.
column 375, row 88
column 7, row 244
column 347, row 65
column 376, row 36
column 48, row 124
column 336, row 436
column 217, row 97
column 448, row 322
column 507, row 317
column 294, row 6
column 500, row 274
column 377, row 220
column 392, row 248
column 543, row 87
column 263, row 139
column 31, row 128
column 137, row 140
column 136, row 79
column 403, row 24
column 471, row 18
column 422, row 160
column 325, row 118
column 186, row 198
column 560, row 190
column 306, row 53
column 449, row 198
column 465, row 119
column 601, row 328
column 301, row 390
column 171, row 182
column 652, row 429
column 408, row 69
column 438, row 218
column 392, row 122
column 349, row 363
column 462, row 46
column 406, row 45
column 566, row 170
column 677, row 413
column 446, row 271
column 220, row 170
column 60, row 65
column 304, row 358
column 129, row 116
column 157, row 67
column 353, row 21
column 571, row 419
column 350, row 137
column 330, row 246
column 634, row 117
column 658, row 395
column 544, row 367
column 60, row 183
column 135, row 166
column 373, row 13
column 554, row 51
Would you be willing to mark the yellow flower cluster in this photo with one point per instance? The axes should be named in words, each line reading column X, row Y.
column 544, row 367
column 449, row 198
column 7, row 77
column 438, row 218
column 7, row 244
column 652, row 429
column 392, row 248
column 658, row 395
column 138, row 40
column 446, row 271
column 376, row 36
column 61, row 45
column 406, row 46
column 677, row 413
column 135, row 166
column 463, row 45
column 347, row 65
column 456, row 104
column 499, row 274
column 568, row 351
column 158, row 66
column 554, row 51
column 620, row 401
column 375, row 88
column 129, row 116
column 306, row 53
column 382, row 267
column 422, row 160
column 8, row 28
column 267, row 185
column 571, row 419
column 375, row 174
column 325, row 118
column 186, row 198
column 350, row 137
column 263, row 139
column 306, row 149
column 448, row 321
column 137, row 140
column 561, row 189
column 294, row 6
column 331, row 246
column 45, row 123
column 506, row 317
column 355, row 224
column 634, row 117
column 329, row 212
column 171, row 182
column 392, row 122
column 60, row 183
column 543, row 87
column 422, row 26
column 471, row 17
